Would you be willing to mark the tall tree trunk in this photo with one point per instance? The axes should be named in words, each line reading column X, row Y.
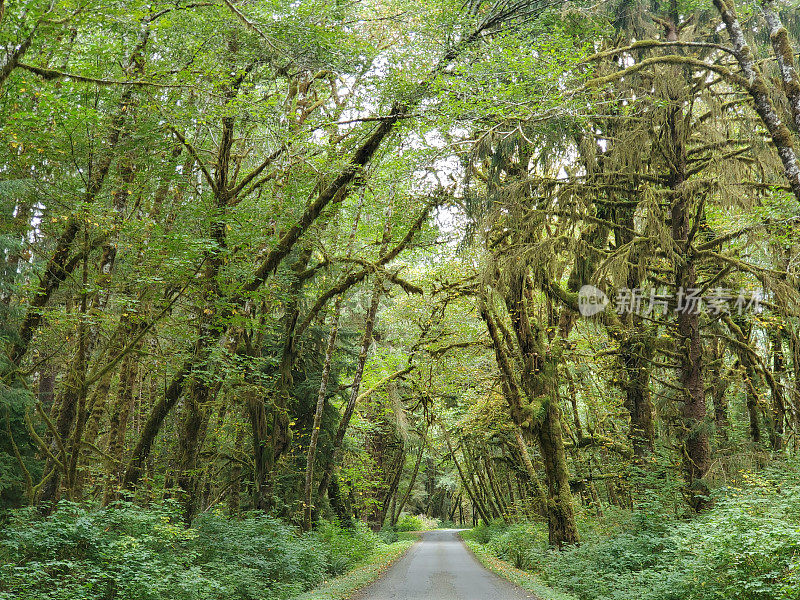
column 234, row 501
column 117, row 424
column 784, row 54
column 69, row 406
column 395, row 513
column 278, row 436
column 500, row 499
column 323, row 386
column 696, row 450
column 539, row 382
column 259, row 434
column 473, row 496
column 721, row 380
column 533, row 478
column 76, row 440
column 394, row 484
column 756, row 86
column 323, row 389
column 741, row 334
column 778, row 403
column 635, row 352
column 366, row 341
column 339, row 503
column 401, row 504
column 152, row 426
column 209, row 330
column 751, row 400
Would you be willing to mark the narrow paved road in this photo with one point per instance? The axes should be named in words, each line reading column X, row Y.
column 439, row 567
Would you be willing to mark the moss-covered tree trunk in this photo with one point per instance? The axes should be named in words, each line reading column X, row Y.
column 696, row 450
column 539, row 379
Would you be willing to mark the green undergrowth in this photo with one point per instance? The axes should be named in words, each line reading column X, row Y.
column 373, row 567
column 745, row 547
column 524, row 579
column 128, row 553
column 409, row 522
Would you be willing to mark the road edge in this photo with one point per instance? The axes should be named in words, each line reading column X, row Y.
column 367, row 573
column 524, row 580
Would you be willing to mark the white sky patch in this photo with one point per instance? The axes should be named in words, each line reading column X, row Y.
column 451, row 221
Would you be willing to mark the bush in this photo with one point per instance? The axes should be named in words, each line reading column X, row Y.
column 482, row 532
column 128, row 553
column 522, row 544
column 410, row 523
column 346, row 547
column 428, row 523
column 747, row 547
column 388, row 534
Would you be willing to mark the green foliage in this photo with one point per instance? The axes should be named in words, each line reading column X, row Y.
column 745, row 548
column 519, row 543
column 482, row 533
column 124, row 552
column 343, row 587
column 15, row 445
column 526, row 580
column 346, row 547
column 388, row 534
column 411, row 523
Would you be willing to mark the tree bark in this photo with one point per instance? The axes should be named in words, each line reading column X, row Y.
column 696, row 451
column 778, row 402
column 533, row 478
column 538, row 378
column 366, row 341
column 473, row 496
column 323, row 386
column 785, row 57
column 118, row 420
column 635, row 351
column 758, row 90
column 323, row 389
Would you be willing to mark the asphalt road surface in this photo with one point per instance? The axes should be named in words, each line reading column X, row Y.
column 439, row 567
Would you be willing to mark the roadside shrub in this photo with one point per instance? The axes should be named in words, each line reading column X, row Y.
column 479, row 533
column 345, row 547
column 410, row 523
column 627, row 565
column 244, row 555
column 520, row 544
column 746, row 547
column 128, row 553
column 483, row 532
column 388, row 534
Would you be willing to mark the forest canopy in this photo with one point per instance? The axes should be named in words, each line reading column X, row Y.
column 305, row 270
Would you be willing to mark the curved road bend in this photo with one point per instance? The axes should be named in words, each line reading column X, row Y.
column 439, row 567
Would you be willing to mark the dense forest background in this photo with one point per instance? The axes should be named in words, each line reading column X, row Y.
column 275, row 267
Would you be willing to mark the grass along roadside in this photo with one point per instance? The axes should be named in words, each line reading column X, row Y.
column 368, row 571
column 524, row 579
